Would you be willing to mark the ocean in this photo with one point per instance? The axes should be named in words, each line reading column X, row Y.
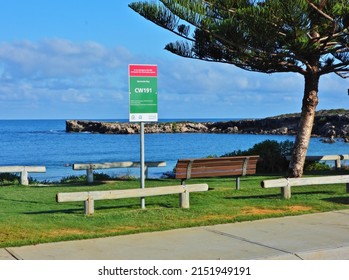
column 45, row 143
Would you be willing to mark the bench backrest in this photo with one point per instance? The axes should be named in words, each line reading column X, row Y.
column 216, row 167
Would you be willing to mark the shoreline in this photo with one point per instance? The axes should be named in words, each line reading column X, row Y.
column 329, row 124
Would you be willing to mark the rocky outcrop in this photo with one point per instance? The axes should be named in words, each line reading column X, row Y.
column 328, row 123
column 133, row 128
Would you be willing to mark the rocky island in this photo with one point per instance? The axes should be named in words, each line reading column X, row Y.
column 328, row 123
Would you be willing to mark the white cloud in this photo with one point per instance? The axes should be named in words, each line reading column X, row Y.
column 73, row 95
column 89, row 78
column 52, row 58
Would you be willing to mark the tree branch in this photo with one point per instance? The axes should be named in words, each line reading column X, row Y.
column 320, row 11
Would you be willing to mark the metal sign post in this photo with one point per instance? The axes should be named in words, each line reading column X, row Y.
column 142, row 175
column 143, row 104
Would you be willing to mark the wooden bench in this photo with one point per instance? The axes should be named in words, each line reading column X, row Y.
column 216, row 167
column 336, row 158
column 89, row 167
column 24, row 170
column 89, row 197
column 286, row 183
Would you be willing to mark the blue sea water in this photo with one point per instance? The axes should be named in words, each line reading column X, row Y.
column 45, row 142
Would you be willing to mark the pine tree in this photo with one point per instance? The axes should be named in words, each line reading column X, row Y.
column 308, row 37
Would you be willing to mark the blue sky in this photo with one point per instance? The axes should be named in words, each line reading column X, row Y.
column 64, row 59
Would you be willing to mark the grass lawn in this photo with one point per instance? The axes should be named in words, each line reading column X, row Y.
column 30, row 215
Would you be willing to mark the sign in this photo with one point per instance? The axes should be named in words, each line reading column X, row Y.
column 143, row 91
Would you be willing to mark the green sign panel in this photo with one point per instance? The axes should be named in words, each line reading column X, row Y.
column 143, row 93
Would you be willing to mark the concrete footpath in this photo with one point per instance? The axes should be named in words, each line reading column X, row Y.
column 322, row 236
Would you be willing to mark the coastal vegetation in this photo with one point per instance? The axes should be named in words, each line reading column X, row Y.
column 272, row 155
column 30, row 215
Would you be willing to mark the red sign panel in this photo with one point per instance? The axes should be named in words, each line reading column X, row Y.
column 143, row 70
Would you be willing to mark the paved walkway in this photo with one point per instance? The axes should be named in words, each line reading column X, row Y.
column 307, row 237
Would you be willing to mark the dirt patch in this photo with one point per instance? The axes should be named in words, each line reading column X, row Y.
column 297, row 208
column 252, row 211
column 122, row 229
column 214, row 217
column 262, row 211
column 64, row 232
column 70, row 231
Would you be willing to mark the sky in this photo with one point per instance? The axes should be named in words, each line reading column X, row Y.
column 64, row 59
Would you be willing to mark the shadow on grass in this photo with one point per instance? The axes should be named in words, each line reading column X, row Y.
column 277, row 195
column 21, row 200
column 67, row 211
column 253, row 196
column 80, row 210
column 338, row 200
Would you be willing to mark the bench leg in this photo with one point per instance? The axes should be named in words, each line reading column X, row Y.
column 145, row 172
column 338, row 163
column 184, row 199
column 238, row 183
column 24, row 178
column 89, row 206
column 89, row 173
column 286, row 192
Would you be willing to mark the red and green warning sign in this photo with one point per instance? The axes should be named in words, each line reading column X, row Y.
column 143, row 91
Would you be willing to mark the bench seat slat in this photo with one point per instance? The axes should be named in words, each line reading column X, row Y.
column 128, row 193
column 235, row 158
column 90, row 196
column 216, row 163
column 17, row 169
column 24, row 170
column 213, row 172
column 219, row 160
column 221, row 164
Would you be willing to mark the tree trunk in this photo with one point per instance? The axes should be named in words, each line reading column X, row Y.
column 310, row 101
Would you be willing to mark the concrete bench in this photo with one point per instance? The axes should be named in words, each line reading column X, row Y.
column 286, row 183
column 336, row 158
column 216, row 167
column 89, row 167
column 89, row 197
column 24, row 170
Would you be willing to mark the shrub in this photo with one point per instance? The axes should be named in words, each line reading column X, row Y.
column 316, row 166
column 73, row 179
column 9, row 178
column 272, row 155
column 101, row 176
column 82, row 178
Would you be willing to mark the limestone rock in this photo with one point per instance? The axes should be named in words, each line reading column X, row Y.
column 328, row 123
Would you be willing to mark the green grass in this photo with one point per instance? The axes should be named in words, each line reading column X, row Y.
column 30, row 215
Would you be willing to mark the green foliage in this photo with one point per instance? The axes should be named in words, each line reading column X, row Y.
column 97, row 176
column 316, row 166
column 14, row 178
column 212, row 156
column 273, row 155
column 174, row 126
column 73, row 179
column 6, row 178
column 264, row 36
column 102, row 176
